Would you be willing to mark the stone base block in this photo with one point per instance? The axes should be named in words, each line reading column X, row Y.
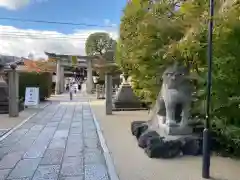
column 192, row 146
column 126, row 105
column 4, row 107
column 135, row 125
column 159, row 148
column 101, row 98
column 175, row 130
column 166, row 145
column 163, row 147
column 138, row 127
column 142, row 140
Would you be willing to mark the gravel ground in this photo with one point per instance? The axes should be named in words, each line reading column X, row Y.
column 132, row 164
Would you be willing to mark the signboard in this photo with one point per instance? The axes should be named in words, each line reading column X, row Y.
column 31, row 96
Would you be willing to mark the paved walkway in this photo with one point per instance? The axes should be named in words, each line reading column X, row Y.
column 60, row 142
column 10, row 122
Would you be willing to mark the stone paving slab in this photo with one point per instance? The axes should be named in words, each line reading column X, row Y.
column 4, row 173
column 47, row 172
column 3, row 131
column 7, row 123
column 72, row 166
column 25, row 168
column 59, row 143
column 53, row 157
column 95, row 171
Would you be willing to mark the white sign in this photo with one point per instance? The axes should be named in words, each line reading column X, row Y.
column 31, row 96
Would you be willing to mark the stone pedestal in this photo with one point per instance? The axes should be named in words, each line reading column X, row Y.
column 13, row 81
column 108, row 85
column 166, row 142
column 125, row 98
column 175, row 130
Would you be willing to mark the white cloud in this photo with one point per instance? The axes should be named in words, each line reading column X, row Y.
column 107, row 22
column 20, row 42
column 14, row 4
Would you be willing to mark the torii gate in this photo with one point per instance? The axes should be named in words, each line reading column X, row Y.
column 66, row 60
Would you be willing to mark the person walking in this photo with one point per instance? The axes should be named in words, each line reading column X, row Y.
column 80, row 86
column 75, row 85
column 67, row 87
column 71, row 89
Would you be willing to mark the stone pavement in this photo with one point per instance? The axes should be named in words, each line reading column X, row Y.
column 8, row 123
column 60, row 142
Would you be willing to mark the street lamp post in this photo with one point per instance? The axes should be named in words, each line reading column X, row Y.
column 206, row 132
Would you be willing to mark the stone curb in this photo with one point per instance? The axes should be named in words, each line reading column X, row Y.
column 109, row 161
column 10, row 131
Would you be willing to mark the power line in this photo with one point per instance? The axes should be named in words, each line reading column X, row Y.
column 54, row 22
column 9, row 36
column 42, row 35
column 29, row 33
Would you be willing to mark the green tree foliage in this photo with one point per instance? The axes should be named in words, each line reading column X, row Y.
column 143, row 43
column 99, row 43
column 154, row 35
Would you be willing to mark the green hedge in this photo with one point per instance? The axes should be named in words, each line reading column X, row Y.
column 41, row 80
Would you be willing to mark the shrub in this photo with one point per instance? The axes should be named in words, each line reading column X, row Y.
column 41, row 80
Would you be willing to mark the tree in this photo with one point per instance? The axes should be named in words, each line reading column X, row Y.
column 99, row 43
column 145, row 34
column 153, row 36
column 102, row 45
column 39, row 66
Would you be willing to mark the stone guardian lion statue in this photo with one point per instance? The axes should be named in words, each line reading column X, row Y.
column 176, row 95
column 168, row 133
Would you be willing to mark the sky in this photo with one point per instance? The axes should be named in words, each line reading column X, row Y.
column 23, row 38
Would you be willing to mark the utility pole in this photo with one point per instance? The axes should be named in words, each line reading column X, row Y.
column 206, row 132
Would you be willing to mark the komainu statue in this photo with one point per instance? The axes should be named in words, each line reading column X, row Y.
column 167, row 133
column 176, row 95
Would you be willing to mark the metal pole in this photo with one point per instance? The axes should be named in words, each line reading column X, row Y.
column 206, row 132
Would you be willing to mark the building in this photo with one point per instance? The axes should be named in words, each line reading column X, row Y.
column 7, row 60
